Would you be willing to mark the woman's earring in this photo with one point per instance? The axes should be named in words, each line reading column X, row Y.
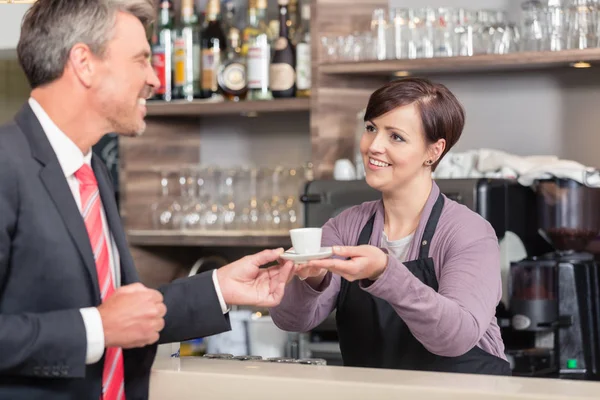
column 429, row 162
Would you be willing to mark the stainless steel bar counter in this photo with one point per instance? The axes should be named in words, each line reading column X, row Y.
column 190, row 378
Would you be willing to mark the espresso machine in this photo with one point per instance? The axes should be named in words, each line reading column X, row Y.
column 555, row 297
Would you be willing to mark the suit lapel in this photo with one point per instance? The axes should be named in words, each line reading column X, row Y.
column 52, row 176
column 128, row 272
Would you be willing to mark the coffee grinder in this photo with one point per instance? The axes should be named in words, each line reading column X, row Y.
column 555, row 297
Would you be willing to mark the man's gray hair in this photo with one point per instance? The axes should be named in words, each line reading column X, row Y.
column 51, row 28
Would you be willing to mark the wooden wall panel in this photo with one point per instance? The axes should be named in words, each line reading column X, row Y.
column 167, row 144
column 336, row 101
column 159, row 265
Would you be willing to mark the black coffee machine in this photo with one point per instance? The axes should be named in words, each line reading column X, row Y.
column 555, row 297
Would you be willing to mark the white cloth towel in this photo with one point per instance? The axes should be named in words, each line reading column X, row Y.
column 498, row 164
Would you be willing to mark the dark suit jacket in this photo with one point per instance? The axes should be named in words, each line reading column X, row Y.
column 47, row 273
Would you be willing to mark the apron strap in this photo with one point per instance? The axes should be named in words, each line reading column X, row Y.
column 432, row 222
column 363, row 239
column 365, row 233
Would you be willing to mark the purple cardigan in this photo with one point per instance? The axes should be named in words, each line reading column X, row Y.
column 449, row 322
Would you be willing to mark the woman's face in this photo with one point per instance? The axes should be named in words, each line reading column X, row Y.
column 395, row 151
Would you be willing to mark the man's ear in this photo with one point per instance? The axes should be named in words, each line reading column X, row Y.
column 82, row 62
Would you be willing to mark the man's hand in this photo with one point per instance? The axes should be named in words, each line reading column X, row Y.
column 244, row 283
column 132, row 316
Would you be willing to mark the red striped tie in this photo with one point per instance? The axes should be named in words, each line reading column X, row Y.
column 113, row 375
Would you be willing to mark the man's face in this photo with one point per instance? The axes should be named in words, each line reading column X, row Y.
column 124, row 78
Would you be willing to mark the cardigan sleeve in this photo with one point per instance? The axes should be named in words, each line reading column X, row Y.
column 303, row 308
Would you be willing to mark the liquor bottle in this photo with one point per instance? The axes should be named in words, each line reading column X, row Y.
column 232, row 75
column 303, row 60
column 213, row 44
column 282, row 73
column 257, row 51
column 187, row 54
column 273, row 34
column 228, row 20
column 293, row 22
column 162, row 51
column 250, row 28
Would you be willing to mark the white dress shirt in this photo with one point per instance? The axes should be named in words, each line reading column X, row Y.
column 71, row 159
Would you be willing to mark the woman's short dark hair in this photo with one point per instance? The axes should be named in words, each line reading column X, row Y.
column 442, row 115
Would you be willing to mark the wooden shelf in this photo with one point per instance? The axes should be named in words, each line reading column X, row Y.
column 266, row 239
column 197, row 108
column 478, row 63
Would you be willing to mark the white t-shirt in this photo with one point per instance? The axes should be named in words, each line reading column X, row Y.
column 397, row 248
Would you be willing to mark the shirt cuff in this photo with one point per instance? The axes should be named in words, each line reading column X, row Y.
column 94, row 334
column 224, row 307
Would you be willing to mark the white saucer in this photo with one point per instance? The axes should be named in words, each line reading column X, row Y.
column 290, row 255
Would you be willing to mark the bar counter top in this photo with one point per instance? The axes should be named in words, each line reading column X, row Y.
column 208, row 379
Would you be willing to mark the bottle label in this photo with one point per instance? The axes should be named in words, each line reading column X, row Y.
column 234, row 77
column 281, row 43
column 160, row 68
column 196, row 61
column 210, row 66
column 179, row 61
column 282, row 77
column 303, row 78
column 258, row 66
column 192, row 57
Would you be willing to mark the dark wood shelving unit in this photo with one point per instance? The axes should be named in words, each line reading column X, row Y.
column 456, row 65
column 264, row 239
column 199, row 108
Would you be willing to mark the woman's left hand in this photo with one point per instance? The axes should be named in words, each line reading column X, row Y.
column 366, row 262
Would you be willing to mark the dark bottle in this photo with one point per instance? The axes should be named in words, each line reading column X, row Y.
column 228, row 17
column 162, row 51
column 282, row 73
column 213, row 45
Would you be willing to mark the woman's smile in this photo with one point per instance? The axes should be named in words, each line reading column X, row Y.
column 375, row 164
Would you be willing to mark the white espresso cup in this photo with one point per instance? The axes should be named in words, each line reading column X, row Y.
column 306, row 240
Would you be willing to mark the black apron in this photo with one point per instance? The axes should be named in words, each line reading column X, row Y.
column 373, row 335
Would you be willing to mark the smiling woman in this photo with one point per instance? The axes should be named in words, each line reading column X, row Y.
column 415, row 277
column 419, row 106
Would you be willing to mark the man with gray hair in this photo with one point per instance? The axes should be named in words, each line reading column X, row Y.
column 75, row 323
